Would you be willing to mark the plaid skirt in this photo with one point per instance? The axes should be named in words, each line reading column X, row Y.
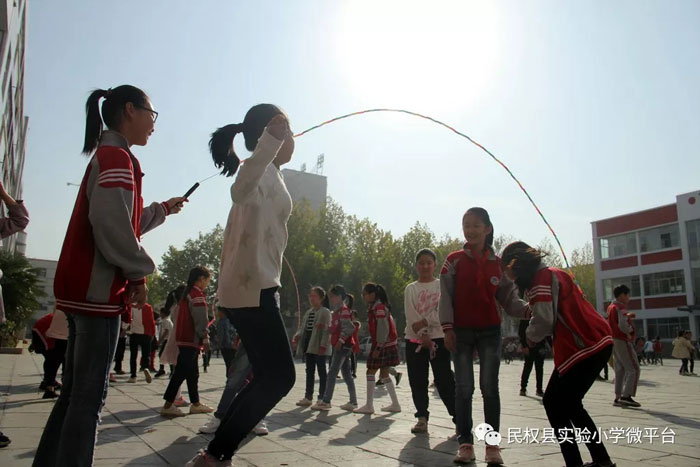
column 388, row 356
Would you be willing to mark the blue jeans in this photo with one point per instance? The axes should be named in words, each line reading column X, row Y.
column 266, row 342
column 340, row 362
column 487, row 342
column 239, row 371
column 71, row 430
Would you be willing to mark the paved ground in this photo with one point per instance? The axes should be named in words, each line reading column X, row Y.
column 133, row 433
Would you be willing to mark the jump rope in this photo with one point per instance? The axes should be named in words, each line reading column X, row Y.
column 433, row 120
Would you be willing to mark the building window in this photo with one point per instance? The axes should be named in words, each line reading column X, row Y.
column 659, row 238
column 695, row 274
column 619, row 245
column 631, row 281
column 693, row 231
column 662, row 283
column 666, row 328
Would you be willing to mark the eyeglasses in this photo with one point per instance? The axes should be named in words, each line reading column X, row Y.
column 155, row 114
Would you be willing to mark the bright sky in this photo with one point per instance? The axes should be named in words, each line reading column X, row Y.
column 593, row 105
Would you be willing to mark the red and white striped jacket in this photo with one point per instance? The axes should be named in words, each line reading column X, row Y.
column 102, row 252
column 381, row 326
column 560, row 310
column 192, row 319
column 620, row 322
column 142, row 320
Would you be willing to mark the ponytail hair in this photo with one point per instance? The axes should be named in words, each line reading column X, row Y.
column 483, row 215
column 378, row 291
column 525, row 262
column 174, row 297
column 253, row 126
column 196, row 273
column 113, row 105
column 350, row 300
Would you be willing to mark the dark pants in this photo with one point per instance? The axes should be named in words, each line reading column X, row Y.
column 119, row 356
column 441, row 365
column 534, row 356
column 206, row 356
column 563, row 402
column 229, row 355
column 136, row 341
column 187, row 369
column 684, row 366
column 314, row 362
column 692, row 365
column 264, row 336
column 353, row 364
column 53, row 359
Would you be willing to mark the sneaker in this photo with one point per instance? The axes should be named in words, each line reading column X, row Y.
column 261, row 429
column 393, row 408
column 350, row 407
column 147, row 375
column 200, row 408
column 159, row 373
column 120, row 372
column 4, row 440
column 131, row 380
column 398, row 377
column 181, row 402
column 598, row 464
column 202, row 459
column 365, row 409
column 617, row 403
column 523, row 392
column 112, row 379
column 465, row 454
column 540, row 393
column 629, row 402
column 172, row 411
column 493, row 455
column 421, row 426
column 320, row 405
column 211, row 426
column 49, row 394
column 304, row 403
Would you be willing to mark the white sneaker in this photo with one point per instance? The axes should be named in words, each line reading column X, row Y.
column 172, row 411
column 201, row 408
column 320, row 405
column 202, row 459
column 350, row 407
column 131, row 380
column 147, row 375
column 304, row 402
column 365, row 409
column 211, row 426
column 261, row 429
column 393, row 408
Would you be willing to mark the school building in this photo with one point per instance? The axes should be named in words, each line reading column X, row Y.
column 656, row 253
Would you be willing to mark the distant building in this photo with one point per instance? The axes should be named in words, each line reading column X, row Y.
column 47, row 271
column 13, row 133
column 656, row 253
column 305, row 185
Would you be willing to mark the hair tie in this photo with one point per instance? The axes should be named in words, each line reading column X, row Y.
column 108, row 93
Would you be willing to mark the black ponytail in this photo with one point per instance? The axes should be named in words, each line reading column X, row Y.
column 350, row 300
column 483, row 215
column 378, row 291
column 112, row 111
column 253, row 126
column 525, row 262
column 174, row 297
column 196, row 273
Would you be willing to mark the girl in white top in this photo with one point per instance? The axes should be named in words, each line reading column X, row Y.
column 425, row 341
column 251, row 264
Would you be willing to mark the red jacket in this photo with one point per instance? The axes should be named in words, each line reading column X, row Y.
column 462, row 303
column 560, row 310
column 381, row 326
column 192, row 319
column 102, row 252
column 142, row 320
column 620, row 322
column 40, row 327
column 342, row 329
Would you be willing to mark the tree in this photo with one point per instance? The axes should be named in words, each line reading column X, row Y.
column 20, row 292
column 583, row 269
